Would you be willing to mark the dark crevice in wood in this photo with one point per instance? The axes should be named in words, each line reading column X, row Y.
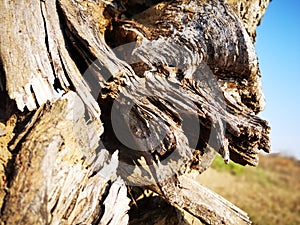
column 150, row 210
column 2, row 78
column 186, row 120
column 47, row 39
column 77, row 47
column 54, row 206
column 24, row 118
column 111, row 141
column 63, row 27
column 3, row 106
column 164, row 105
column 101, row 203
column 128, row 155
column 87, row 63
column 249, row 101
column 57, row 85
column 134, row 192
column 71, row 85
column 8, row 107
column 3, row 207
column 34, row 96
column 116, row 35
column 108, row 138
column 135, row 7
column 78, row 51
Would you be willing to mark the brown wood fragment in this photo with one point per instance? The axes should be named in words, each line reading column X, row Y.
column 125, row 92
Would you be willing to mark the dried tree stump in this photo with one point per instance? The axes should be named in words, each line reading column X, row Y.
column 101, row 100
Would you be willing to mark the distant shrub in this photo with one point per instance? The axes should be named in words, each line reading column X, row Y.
column 232, row 167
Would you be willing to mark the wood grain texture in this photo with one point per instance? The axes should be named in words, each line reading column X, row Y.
column 60, row 177
column 125, row 92
column 250, row 13
column 204, row 204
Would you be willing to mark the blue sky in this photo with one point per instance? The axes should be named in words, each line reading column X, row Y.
column 278, row 50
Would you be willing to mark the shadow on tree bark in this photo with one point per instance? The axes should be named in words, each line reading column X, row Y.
column 102, row 101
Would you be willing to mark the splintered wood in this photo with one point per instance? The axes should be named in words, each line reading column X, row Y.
column 113, row 93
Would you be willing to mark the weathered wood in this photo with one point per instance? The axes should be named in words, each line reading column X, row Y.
column 250, row 13
column 192, row 204
column 59, row 176
column 34, row 48
column 173, row 82
column 151, row 210
column 203, row 203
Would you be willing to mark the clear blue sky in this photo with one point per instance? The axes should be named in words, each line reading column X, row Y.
column 278, row 49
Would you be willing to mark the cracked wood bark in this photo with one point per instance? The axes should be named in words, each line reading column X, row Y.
column 59, row 176
column 165, row 85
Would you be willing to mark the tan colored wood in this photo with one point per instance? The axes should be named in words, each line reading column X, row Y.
column 96, row 95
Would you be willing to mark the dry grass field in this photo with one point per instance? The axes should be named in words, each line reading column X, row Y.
column 269, row 193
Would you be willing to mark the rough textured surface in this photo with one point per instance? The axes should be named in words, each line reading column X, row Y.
column 151, row 209
column 201, row 34
column 250, row 13
column 165, row 84
column 59, row 154
column 6, row 134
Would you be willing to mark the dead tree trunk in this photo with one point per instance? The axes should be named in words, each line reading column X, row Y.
column 101, row 100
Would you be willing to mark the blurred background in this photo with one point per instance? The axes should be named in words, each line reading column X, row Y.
column 278, row 50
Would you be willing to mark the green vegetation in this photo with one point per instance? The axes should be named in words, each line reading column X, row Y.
column 234, row 168
column 269, row 193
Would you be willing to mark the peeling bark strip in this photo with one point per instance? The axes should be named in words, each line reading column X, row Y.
column 165, row 84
